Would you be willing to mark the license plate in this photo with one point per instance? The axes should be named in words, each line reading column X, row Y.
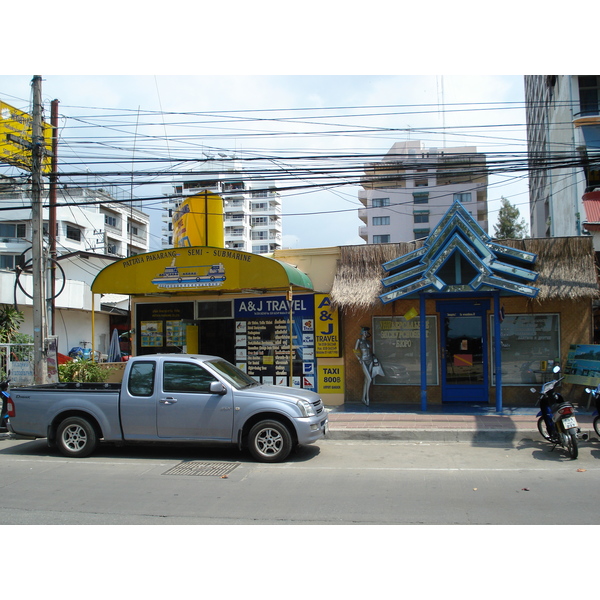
column 569, row 422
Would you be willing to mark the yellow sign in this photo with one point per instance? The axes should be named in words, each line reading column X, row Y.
column 199, row 221
column 196, row 269
column 16, row 139
column 331, row 379
column 327, row 329
column 411, row 314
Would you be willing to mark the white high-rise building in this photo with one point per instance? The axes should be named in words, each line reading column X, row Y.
column 409, row 191
column 251, row 210
column 563, row 137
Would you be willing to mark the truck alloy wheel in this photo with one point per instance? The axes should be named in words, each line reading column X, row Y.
column 270, row 441
column 76, row 437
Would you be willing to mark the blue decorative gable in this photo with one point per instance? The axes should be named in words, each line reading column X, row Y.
column 459, row 256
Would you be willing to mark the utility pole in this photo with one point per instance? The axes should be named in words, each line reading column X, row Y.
column 52, row 214
column 37, row 248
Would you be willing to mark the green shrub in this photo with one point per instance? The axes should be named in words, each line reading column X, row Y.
column 82, row 370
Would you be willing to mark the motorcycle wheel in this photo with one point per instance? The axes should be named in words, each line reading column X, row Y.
column 541, row 425
column 597, row 425
column 571, row 445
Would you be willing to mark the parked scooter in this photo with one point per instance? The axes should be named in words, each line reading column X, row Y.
column 596, row 394
column 6, row 400
column 557, row 422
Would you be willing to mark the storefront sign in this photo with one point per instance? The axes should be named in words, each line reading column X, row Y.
column 204, row 268
column 583, row 365
column 263, row 347
column 327, row 331
column 331, row 379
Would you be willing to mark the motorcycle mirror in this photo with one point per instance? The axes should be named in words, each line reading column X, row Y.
column 588, row 391
column 556, row 369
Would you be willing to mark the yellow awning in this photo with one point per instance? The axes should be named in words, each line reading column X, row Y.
column 197, row 269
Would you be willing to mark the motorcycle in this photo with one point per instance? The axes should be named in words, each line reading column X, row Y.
column 5, row 404
column 556, row 419
column 596, row 394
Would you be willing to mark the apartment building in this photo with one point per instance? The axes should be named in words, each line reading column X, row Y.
column 563, row 139
column 88, row 220
column 251, row 210
column 409, row 191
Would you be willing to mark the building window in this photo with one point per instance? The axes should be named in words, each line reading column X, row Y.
column 421, row 233
column 381, row 221
column 260, row 249
column 463, row 197
column 381, row 239
column 260, row 194
column 260, row 221
column 11, row 230
column 7, row 261
column 379, row 202
column 112, row 221
column 421, row 197
column 421, row 217
column 421, row 182
column 73, row 233
column 258, row 206
column 589, row 87
column 135, row 230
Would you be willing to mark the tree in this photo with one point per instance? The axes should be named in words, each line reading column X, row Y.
column 509, row 226
column 10, row 321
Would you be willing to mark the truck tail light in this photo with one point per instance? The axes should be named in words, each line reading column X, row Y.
column 10, row 407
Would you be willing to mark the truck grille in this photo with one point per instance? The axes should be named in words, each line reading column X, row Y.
column 318, row 406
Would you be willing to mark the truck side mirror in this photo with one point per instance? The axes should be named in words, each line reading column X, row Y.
column 216, row 387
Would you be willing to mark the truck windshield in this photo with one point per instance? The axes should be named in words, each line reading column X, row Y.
column 236, row 377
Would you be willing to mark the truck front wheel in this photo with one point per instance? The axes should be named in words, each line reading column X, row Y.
column 270, row 441
column 76, row 437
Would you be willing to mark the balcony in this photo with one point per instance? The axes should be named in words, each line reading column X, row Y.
column 589, row 123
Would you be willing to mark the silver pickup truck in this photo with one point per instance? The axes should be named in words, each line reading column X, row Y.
column 170, row 398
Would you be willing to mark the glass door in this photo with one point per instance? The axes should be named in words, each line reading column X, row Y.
column 464, row 352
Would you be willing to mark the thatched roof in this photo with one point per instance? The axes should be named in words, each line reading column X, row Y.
column 566, row 269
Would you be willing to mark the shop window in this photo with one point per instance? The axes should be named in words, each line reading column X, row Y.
column 214, row 310
column 397, row 345
column 529, row 342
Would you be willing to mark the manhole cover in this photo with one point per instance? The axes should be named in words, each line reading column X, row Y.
column 202, row 469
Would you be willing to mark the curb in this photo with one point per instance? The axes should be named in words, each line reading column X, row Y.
column 426, row 435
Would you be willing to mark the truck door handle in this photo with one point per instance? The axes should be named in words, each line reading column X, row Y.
column 168, row 400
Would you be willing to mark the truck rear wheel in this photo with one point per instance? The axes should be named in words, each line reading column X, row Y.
column 76, row 437
column 270, row 441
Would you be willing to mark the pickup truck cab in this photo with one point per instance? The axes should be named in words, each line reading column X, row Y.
column 170, row 398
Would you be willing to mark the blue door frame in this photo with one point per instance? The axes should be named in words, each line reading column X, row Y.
column 464, row 350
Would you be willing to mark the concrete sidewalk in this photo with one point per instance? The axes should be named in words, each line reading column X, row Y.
column 471, row 424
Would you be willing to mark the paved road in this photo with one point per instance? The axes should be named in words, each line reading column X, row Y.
column 334, row 482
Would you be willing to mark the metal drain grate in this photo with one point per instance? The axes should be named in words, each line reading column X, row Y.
column 202, row 469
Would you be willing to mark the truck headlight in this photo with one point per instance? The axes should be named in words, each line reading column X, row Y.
column 306, row 408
